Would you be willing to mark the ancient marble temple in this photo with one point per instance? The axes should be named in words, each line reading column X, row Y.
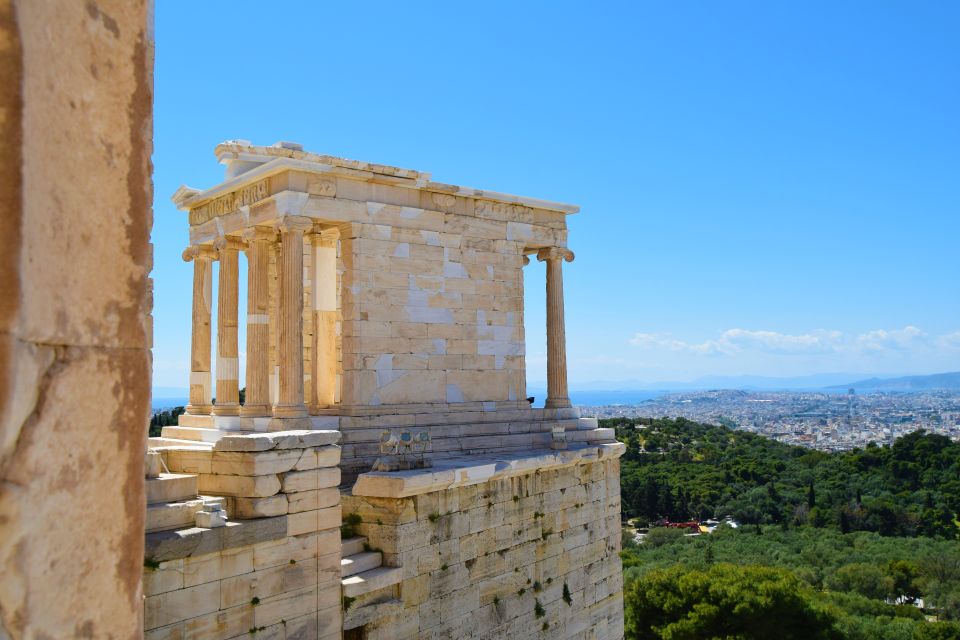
column 385, row 392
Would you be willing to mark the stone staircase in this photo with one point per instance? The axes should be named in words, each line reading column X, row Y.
column 361, row 571
column 362, row 574
column 173, row 501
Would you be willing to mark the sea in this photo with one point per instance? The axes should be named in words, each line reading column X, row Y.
column 579, row 398
column 162, row 404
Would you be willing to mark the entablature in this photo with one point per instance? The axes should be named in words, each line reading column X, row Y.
column 286, row 173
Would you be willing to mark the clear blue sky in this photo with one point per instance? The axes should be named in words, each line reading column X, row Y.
column 767, row 188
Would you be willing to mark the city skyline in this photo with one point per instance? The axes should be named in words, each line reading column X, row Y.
column 784, row 206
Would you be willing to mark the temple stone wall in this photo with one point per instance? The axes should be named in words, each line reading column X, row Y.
column 531, row 556
column 75, row 302
column 433, row 306
column 274, row 570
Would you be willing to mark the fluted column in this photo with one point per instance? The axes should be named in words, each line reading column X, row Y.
column 557, row 394
column 290, row 322
column 324, row 277
column 274, row 283
column 200, row 397
column 259, row 245
column 228, row 363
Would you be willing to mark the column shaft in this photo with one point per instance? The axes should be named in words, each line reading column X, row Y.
column 557, row 394
column 259, row 245
column 200, row 396
column 290, row 325
column 228, row 364
column 324, row 374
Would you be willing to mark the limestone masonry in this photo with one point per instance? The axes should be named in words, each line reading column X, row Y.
column 386, row 475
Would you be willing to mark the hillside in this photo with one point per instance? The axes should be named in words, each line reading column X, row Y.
column 859, row 545
column 681, row 470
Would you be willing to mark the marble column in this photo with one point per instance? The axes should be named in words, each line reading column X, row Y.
column 324, row 276
column 259, row 245
column 274, row 315
column 557, row 394
column 200, row 391
column 290, row 321
column 228, row 363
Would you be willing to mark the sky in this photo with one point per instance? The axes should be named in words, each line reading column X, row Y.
column 765, row 188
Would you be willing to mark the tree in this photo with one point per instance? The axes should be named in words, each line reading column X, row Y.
column 725, row 601
column 663, row 535
column 867, row 579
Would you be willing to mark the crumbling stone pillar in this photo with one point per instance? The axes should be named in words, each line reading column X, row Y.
column 290, row 323
column 259, row 245
column 557, row 394
column 228, row 363
column 200, row 398
column 75, row 323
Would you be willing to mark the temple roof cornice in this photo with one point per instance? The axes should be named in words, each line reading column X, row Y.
column 259, row 163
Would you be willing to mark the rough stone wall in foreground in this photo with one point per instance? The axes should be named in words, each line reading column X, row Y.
column 75, row 300
column 534, row 556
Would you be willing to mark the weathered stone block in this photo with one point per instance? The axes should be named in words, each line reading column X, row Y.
column 217, row 566
column 239, row 486
column 253, row 463
column 267, row 583
column 171, row 545
column 316, row 499
column 317, row 457
column 299, row 439
column 174, row 606
column 168, row 576
column 275, row 505
column 310, row 521
column 310, row 480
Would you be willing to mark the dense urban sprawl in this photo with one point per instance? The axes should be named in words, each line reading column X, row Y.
column 826, row 421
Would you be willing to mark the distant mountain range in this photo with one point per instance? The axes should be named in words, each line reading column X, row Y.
column 630, row 392
column 745, row 382
column 947, row 381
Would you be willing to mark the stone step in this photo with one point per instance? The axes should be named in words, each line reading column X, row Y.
column 161, row 442
column 352, row 546
column 171, row 487
column 454, row 432
column 603, row 434
column 166, row 516
column 588, row 423
column 196, row 434
column 360, row 562
column 367, row 581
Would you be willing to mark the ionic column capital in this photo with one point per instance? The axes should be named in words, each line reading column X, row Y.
column 199, row 252
column 229, row 243
column 260, row 232
column 554, row 253
column 295, row 223
column 325, row 237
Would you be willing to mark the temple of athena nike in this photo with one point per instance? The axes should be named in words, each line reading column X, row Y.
column 383, row 473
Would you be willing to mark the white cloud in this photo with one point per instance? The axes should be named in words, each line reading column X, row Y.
column 733, row 341
column 949, row 340
column 661, row 340
column 898, row 339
